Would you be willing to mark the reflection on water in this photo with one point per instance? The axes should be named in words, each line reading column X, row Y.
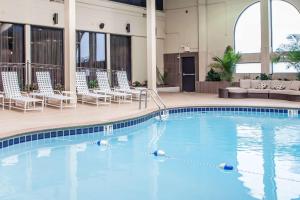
column 268, row 159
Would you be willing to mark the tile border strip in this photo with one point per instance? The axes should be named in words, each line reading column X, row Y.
column 54, row 133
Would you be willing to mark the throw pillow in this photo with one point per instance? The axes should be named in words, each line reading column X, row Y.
column 262, row 85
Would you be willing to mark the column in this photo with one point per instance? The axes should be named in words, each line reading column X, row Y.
column 108, row 61
column 151, row 44
column 28, row 79
column 266, row 66
column 203, row 54
column 70, row 45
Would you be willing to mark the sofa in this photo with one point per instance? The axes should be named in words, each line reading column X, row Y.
column 266, row 89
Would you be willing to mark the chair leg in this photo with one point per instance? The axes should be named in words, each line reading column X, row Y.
column 25, row 105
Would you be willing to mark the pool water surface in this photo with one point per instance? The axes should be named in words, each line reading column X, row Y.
column 263, row 148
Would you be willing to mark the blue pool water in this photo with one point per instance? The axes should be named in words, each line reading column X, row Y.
column 263, row 148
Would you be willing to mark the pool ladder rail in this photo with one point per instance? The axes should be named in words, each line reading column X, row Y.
column 145, row 93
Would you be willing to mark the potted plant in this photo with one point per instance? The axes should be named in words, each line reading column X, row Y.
column 221, row 71
column 226, row 65
column 289, row 53
column 163, row 85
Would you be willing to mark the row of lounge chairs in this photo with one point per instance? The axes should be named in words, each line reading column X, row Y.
column 13, row 97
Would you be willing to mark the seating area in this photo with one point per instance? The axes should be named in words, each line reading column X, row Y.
column 266, row 89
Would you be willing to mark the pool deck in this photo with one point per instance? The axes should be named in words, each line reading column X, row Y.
column 16, row 122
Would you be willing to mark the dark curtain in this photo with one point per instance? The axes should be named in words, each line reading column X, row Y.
column 47, row 46
column 11, row 43
column 120, row 53
column 47, row 54
column 91, row 50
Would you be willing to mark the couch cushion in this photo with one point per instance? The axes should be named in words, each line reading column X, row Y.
column 294, row 85
column 254, row 83
column 258, row 91
column 245, row 83
column 292, row 92
column 278, row 91
column 236, row 90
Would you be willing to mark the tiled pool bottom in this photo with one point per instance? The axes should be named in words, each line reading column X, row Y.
column 48, row 134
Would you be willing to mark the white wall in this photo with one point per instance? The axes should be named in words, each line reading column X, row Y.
column 181, row 25
column 89, row 14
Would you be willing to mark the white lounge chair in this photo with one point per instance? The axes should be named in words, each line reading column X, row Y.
column 15, row 98
column 52, row 97
column 87, row 96
column 104, row 87
column 124, row 86
column 2, row 100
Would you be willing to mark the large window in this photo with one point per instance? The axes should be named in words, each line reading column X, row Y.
column 142, row 3
column 47, row 46
column 120, row 53
column 11, row 43
column 47, row 53
column 248, row 31
column 285, row 21
column 91, row 50
column 248, row 37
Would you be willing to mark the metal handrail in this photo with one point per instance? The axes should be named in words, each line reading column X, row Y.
column 155, row 97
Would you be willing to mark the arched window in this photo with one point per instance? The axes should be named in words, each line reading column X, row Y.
column 248, row 37
column 248, row 31
column 285, row 21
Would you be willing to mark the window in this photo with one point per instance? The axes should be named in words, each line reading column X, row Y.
column 248, row 68
column 248, row 30
column 248, row 37
column 47, row 46
column 142, row 3
column 285, row 21
column 11, row 43
column 120, row 53
column 91, row 50
column 47, row 53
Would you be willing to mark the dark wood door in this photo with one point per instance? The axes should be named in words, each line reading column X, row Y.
column 188, row 74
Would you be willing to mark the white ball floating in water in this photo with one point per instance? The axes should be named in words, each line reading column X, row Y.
column 159, row 153
column 102, row 143
column 226, row 167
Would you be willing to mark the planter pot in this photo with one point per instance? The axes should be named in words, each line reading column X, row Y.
column 168, row 89
column 213, row 87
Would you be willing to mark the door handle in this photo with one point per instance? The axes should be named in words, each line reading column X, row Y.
column 188, row 74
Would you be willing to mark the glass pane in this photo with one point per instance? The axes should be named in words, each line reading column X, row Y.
column 283, row 68
column 248, row 68
column 248, row 30
column 285, row 21
column 100, row 47
column 84, row 48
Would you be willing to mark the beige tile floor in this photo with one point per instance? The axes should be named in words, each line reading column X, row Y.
column 16, row 122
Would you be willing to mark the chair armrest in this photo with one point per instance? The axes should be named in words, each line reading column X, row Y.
column 57, row 92
column 25, row 94
column 99, row 92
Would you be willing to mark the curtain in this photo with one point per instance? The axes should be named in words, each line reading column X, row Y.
column 121, row 53
column 47, row 53
column 47, row 46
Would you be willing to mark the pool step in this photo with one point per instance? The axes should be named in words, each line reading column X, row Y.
column 292, row 113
